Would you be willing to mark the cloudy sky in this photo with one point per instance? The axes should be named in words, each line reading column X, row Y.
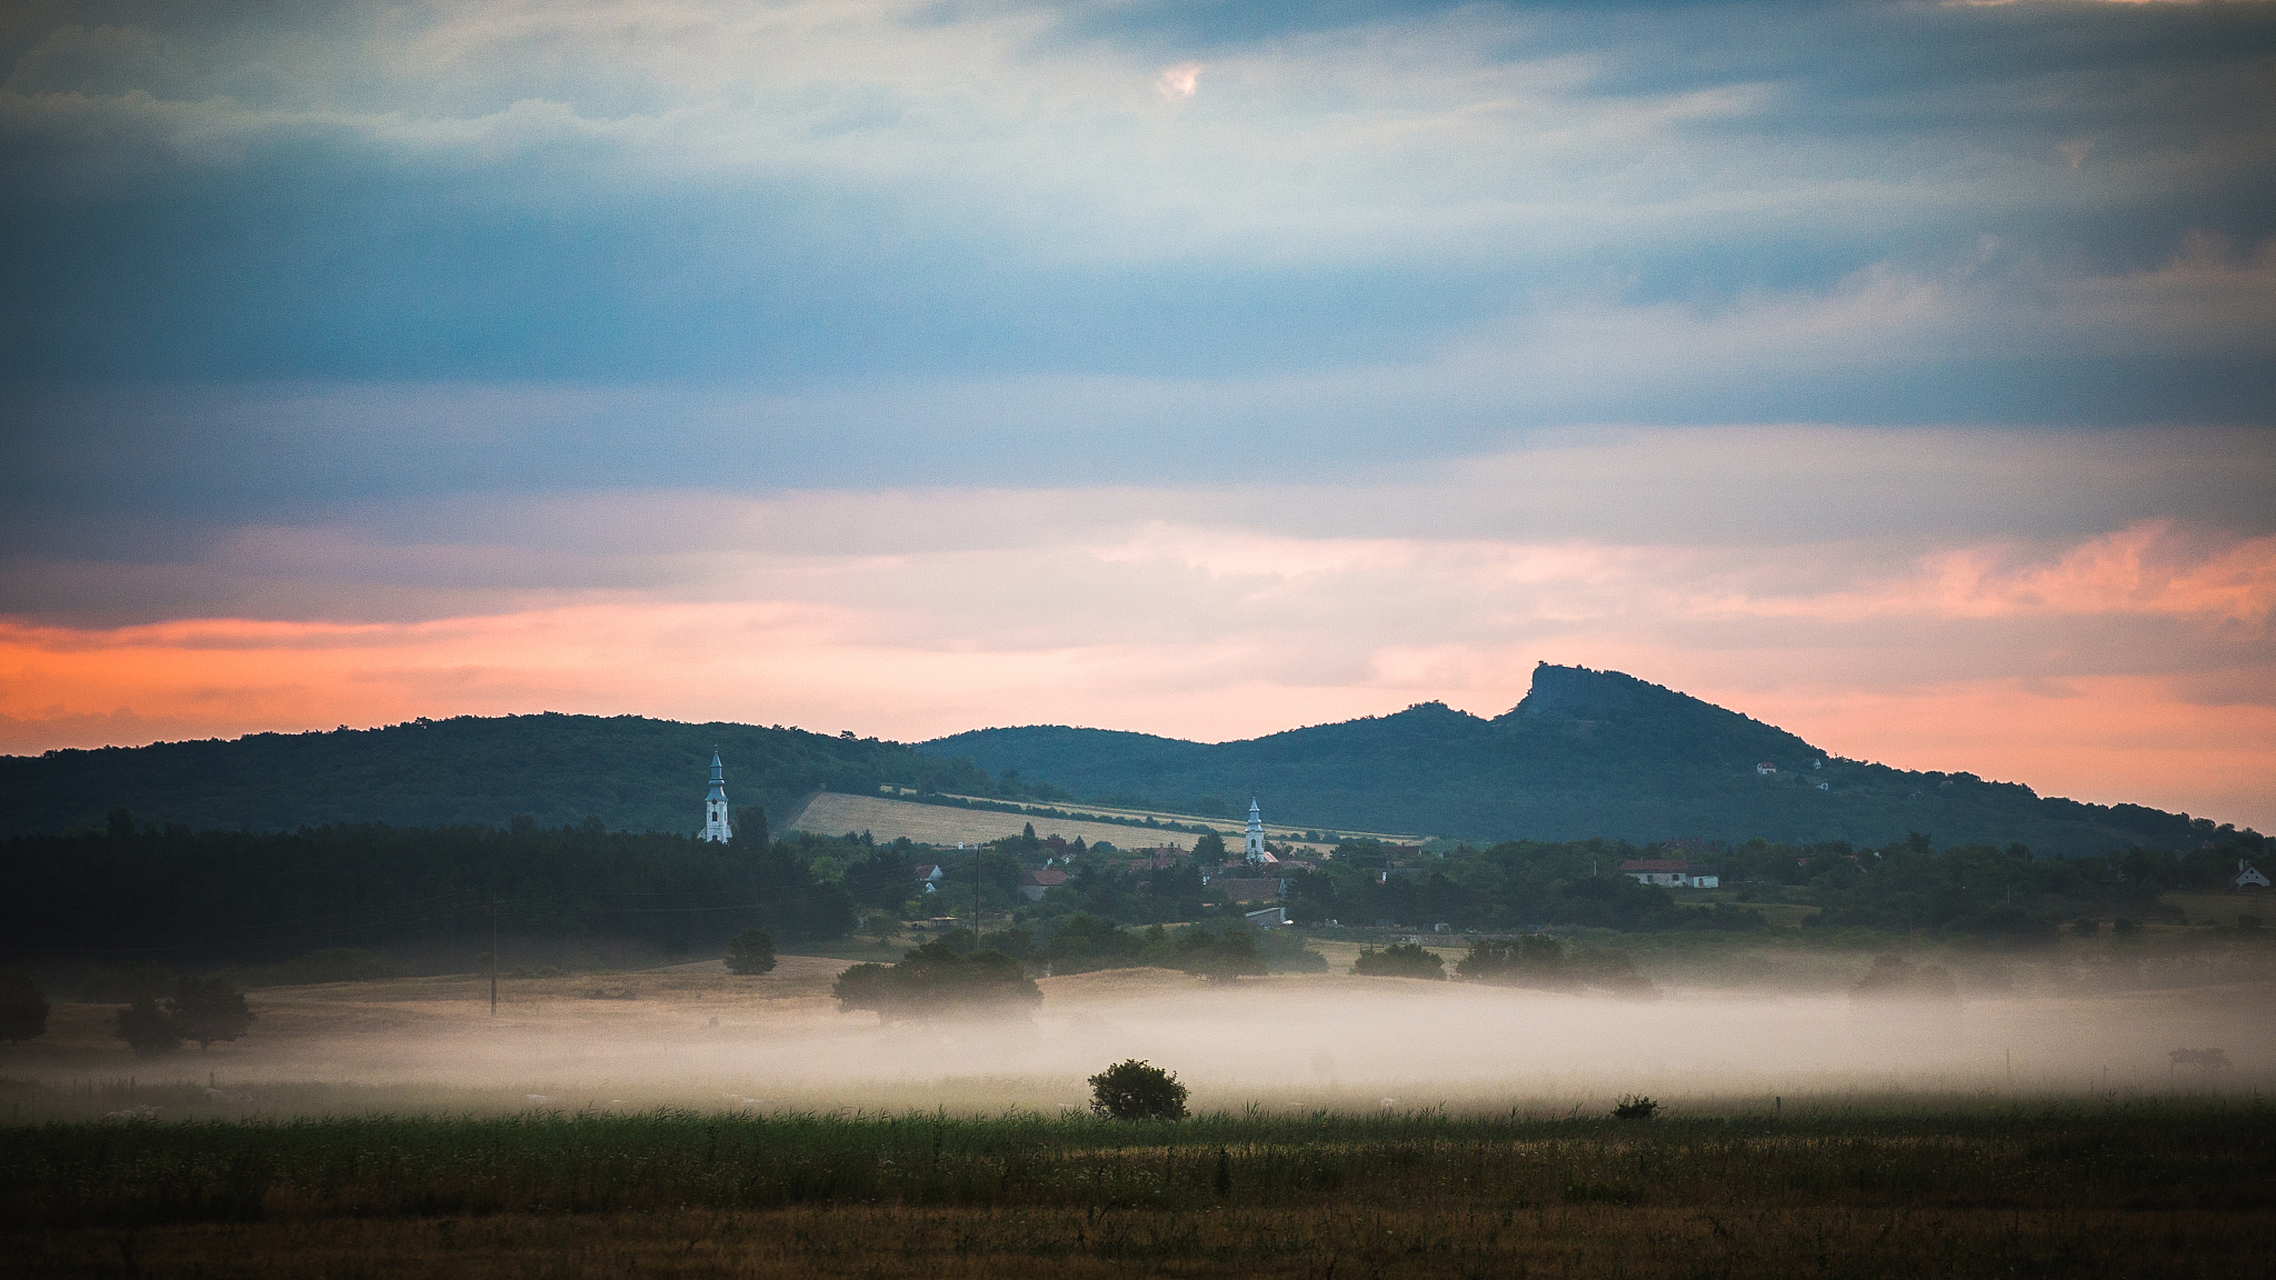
column 1900, row 373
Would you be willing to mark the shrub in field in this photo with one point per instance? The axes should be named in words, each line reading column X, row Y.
column 942, row 978
column 209, row 1009
column 1219, row 957
column 147, row 1029
column 1635, row 1107
column 1894, row 976
column 1134, row 1090
column 752, row 951
column 23, row 1006
column 1400, row 960
column 1535, row 960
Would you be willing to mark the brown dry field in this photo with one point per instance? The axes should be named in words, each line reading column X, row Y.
column 833, row 814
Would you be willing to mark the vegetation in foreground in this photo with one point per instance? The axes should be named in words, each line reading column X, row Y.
column 1963, row 1187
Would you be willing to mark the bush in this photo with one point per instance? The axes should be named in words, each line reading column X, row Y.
column 752, row 951
column 1635, row 1107
column 1535, row 960
column 1219, row 957
column 146, row 1028
column 1400, row 960
column 1134, row 1090
column 23, row 1006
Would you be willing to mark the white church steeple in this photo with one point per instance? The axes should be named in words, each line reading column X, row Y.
column 1253, row 847
column 715, row 826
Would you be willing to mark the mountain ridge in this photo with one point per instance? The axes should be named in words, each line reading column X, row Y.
column 1585, row 753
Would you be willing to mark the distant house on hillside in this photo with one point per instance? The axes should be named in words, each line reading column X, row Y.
column 1766, row 768
column 928, row 875
column 1034, row 884
column 2248, row 876
column 1665, row 872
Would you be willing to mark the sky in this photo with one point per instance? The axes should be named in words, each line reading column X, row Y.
column 1901, row 374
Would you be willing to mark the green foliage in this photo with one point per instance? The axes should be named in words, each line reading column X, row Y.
column 386, row 885
column 752, row 951
column 23, row 1006
column 944, row 978
column 1209, row 848
column 209, row 1009
column 1535, row 960
column 1400, row 960
column 147, row 1029
column 1217, row 956
column 1134, row 1090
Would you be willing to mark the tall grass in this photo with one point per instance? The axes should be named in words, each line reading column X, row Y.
column 2176, row 1155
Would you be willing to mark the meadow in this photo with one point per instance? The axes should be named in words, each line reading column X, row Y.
column 1854, row 1185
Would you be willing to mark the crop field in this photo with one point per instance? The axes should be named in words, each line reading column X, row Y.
column 1852, row 1186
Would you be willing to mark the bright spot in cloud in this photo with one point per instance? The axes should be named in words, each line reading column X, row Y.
column 1178, row 81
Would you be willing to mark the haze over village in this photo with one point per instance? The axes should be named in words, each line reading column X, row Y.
column 1128, row 637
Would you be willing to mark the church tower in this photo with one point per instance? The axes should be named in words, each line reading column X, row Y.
column 715, row 805
column 1253, row 847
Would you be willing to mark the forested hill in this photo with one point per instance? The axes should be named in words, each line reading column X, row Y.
column 633, row 773
column 1586, row 753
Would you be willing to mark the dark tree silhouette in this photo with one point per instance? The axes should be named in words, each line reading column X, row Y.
column 209, row 1009
column 1134, row 1090
column 23, row 1006
column 147, row 1029
column 752, row 951
column 1399, row 960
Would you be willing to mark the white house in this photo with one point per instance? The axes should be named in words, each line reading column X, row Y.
column 928, row 876
column 1668, row 873
column 2248, row 876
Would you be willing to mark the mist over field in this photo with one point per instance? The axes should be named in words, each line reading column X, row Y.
column 706, row 1041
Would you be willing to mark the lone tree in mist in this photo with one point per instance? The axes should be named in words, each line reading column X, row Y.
column 1134, row 1090
column 146, row 1028
column 1400, row 960
column 23, row 1006
column 209, row 1009
column 752, row 951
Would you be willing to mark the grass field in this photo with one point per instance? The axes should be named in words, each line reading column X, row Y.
column 1853, row 1187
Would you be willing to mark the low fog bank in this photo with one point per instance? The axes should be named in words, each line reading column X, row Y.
column 1281, row 1043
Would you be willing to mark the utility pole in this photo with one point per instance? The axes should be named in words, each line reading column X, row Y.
column 976, row 897
column 493, row 959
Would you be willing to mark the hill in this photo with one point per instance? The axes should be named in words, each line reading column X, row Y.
column 1586, row 753
column 633, row 773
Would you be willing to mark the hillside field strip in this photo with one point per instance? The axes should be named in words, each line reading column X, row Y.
column 885, row 818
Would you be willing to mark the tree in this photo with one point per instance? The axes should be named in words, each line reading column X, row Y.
column 209, row 1009
column 750, row 825
column 23, row 1006
column 1400, row 960
column 1219, row 957
column 146, row 1028
column 126, row 983
column 944, row 977
column 752, row 951
column 1209, row 848
column 1134, row 1090
column 1535, row 960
